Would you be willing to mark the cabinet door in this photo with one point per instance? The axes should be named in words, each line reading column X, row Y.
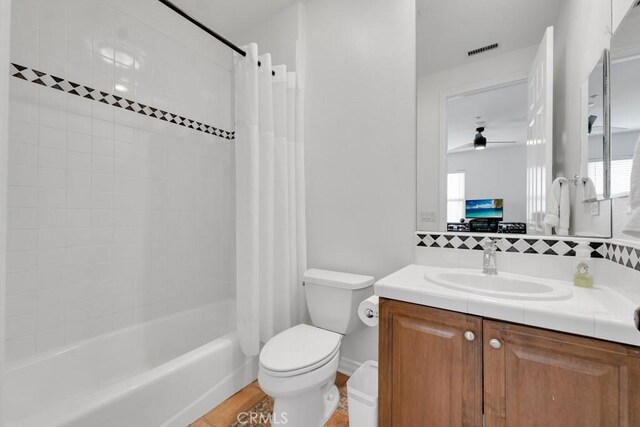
column 430, row 373
column 536, row 377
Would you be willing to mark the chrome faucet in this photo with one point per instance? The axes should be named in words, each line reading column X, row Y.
column 489, row 262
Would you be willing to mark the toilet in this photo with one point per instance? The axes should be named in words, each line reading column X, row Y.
column 299, row 365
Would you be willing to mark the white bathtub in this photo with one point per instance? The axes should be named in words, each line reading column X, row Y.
column 167, row 372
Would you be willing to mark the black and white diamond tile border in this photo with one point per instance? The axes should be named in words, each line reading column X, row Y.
column 624, row 255
column 51, row 81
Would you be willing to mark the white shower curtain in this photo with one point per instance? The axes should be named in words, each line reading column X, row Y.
column 270, row 223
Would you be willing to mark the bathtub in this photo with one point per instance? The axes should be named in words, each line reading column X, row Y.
column 167, row 372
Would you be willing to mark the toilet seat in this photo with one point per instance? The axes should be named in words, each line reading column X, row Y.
column 298, row 350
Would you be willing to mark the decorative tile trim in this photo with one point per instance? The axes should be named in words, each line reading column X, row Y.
column 524, row 245
column 49, row 80
column 627, row 256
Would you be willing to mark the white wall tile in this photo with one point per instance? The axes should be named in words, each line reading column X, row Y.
column 21, row 304
column 22, row 240
column 79, row 123
column 23, row 154
column 78, row 180
column 78, row 142
column 52, row 278
column 98, row 195
column 17, row 348
column 22, row 197
column 75, row 332
column 50, row 158
column 18, row 326
column 52, row 178
column 78, row 199
column 52, row 138
column 51, row 238
column 51, row 217
column 50, row 338
column 79, row 161
column 51, row 258
column 20, row 283
column 23, row 175
column 23, row 133
column 21, row 261
column 52, row 197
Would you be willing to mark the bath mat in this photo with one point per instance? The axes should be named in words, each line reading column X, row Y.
column 265, row 406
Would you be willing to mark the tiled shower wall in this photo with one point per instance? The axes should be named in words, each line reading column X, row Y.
column 114, row 217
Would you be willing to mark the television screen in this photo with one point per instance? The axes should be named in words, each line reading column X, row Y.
column 484, row 208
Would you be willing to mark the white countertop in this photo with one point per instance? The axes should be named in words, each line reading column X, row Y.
column 598, row 312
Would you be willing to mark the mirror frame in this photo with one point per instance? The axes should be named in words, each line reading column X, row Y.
column 605, row 62
column 606, row 124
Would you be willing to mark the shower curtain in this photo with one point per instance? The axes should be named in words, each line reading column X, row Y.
column 270, row 215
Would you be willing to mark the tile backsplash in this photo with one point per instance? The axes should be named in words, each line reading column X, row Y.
column 115, row 217
column 616, row 251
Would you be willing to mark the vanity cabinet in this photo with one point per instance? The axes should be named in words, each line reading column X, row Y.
column 537, row 378
column 431, row 374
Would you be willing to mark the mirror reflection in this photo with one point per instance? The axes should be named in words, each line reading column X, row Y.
column 593, row 98
column 625, row 101
column 486, row 106
column 486, row 159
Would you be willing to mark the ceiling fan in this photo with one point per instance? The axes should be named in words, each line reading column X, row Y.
column 479, row 142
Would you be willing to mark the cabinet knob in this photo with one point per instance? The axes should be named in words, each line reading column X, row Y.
column 470, row 336
column 495, row 343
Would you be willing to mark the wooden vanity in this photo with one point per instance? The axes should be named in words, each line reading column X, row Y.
column 444, row 368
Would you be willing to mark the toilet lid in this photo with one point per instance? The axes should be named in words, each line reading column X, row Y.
column 299, row 347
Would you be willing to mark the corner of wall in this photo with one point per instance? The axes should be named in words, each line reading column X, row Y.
column 5, row 26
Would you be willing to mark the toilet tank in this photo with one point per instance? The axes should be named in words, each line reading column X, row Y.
column 333, row 298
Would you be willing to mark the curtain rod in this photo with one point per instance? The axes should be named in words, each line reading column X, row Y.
column 206, row 29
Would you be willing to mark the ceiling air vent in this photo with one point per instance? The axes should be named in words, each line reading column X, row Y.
column 482, row 49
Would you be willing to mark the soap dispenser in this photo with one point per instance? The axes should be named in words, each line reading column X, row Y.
column 583, row 268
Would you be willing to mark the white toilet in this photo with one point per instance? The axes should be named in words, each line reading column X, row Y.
column 298, row 366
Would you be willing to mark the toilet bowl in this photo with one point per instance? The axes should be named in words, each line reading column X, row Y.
column 299, row 365
column 298, row 368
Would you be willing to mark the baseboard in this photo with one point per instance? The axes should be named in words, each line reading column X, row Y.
column 348, row 366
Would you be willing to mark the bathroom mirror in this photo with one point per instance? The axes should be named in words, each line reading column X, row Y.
column 486, row 157
column 485, row 145
column 596, row 138
column 625, row 100
column 591, row 213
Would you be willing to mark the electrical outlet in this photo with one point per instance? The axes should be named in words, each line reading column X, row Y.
column 427, row 216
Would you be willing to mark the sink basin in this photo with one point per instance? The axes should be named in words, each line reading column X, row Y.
column 504, row 285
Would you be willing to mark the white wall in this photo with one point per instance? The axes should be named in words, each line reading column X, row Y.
column 495, row 173
column 619, row 10
column 277, row 35
column 5, row 16
column 360, row 141
column 582, row 31
column 431, row 89
column 114, row 218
